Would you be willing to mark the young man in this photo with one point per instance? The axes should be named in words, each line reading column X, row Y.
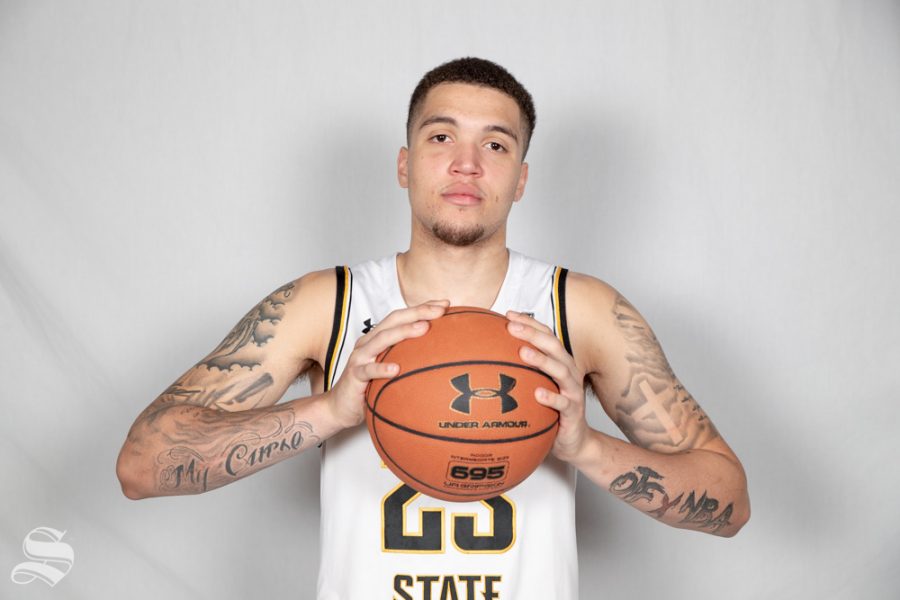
column 469, row 126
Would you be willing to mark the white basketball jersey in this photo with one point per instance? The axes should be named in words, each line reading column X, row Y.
column 380, row 539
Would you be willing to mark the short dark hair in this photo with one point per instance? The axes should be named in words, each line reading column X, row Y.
column 476, row 71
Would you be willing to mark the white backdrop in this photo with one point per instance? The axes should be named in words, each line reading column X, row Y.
column 731, row 167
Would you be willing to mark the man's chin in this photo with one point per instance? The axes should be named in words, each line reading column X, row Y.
column 456, row 236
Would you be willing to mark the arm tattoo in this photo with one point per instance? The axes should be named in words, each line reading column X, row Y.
column 197, row 461
column 252, row 332
column 209, row 395
column 213, row 383
column 655, row 410
column 644, row 485
column 200, row 434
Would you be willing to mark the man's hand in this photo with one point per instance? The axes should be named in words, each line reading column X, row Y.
column 558, row 364
column 347, row 397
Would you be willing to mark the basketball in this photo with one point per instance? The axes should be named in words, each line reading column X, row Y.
column 459, row 421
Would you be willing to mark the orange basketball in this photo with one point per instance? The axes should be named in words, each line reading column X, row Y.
column 459, row 421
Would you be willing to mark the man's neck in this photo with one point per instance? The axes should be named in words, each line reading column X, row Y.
column 469, row 276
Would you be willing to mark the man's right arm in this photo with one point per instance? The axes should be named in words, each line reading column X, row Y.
column 219, row 422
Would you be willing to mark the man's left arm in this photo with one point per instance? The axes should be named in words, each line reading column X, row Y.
column 677, row 468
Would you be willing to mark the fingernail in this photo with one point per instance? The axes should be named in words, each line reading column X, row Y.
column 516, row 327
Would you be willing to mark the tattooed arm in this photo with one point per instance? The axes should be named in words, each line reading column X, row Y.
column 219, row 423
column 677, row 468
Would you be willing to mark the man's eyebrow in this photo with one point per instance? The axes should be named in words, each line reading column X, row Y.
column 503, row 130
column 451, row 121
column 437, row 119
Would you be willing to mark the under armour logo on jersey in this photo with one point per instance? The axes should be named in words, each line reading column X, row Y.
column 368, row 326
column 463, row 402
column 50, row 558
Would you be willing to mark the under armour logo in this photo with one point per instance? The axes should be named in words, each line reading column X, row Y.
column 462, row 403
column 368, row 326
column 50, row 558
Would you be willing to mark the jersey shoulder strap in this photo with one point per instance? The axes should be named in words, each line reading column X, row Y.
column 558, row 301
column 342, row 300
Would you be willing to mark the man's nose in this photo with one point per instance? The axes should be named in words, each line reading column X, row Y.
column 466, row 160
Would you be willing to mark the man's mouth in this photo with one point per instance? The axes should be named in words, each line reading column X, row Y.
column 462, row 194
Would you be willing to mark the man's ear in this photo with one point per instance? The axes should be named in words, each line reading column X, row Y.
column 402, row 172
column 523, row 179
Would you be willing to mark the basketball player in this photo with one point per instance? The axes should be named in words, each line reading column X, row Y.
column 469, row 126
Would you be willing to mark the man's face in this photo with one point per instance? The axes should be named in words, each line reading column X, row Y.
column 463, row 167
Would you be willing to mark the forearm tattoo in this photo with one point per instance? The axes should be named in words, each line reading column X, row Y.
column 643, row 486
column 654, row 409
column 197, row 461
column 204, row 448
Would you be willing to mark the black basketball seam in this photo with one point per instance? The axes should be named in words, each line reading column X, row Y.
column 462, row 363
column 445, row 438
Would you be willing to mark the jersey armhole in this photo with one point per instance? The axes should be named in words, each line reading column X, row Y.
column 558, row 301
column 339, row 323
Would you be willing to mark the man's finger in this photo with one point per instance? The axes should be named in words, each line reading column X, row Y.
column 421, row 312
column 383, row 339
column 376, row 370
column 551, row 399
column 518, row 317
column 559, row 372
column 544, row 341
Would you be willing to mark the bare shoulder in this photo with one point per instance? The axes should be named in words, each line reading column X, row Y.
column 307, row 313
column 590, row 305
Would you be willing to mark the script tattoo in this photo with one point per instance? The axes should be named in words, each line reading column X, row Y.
column 655, row 411
column 183, row 465
column 644, row 484
column 197, row 461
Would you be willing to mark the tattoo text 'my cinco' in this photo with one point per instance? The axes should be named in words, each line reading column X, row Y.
column 209, row 448
column 655, row 410
column 645, row 484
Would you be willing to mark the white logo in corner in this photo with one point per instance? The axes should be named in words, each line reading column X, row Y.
column 50, row 558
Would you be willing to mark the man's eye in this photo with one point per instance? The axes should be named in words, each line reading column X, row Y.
column 497, row 147
column 440, row 138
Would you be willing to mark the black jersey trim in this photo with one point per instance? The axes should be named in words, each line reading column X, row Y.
column 563, row 321
column 339, row 323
